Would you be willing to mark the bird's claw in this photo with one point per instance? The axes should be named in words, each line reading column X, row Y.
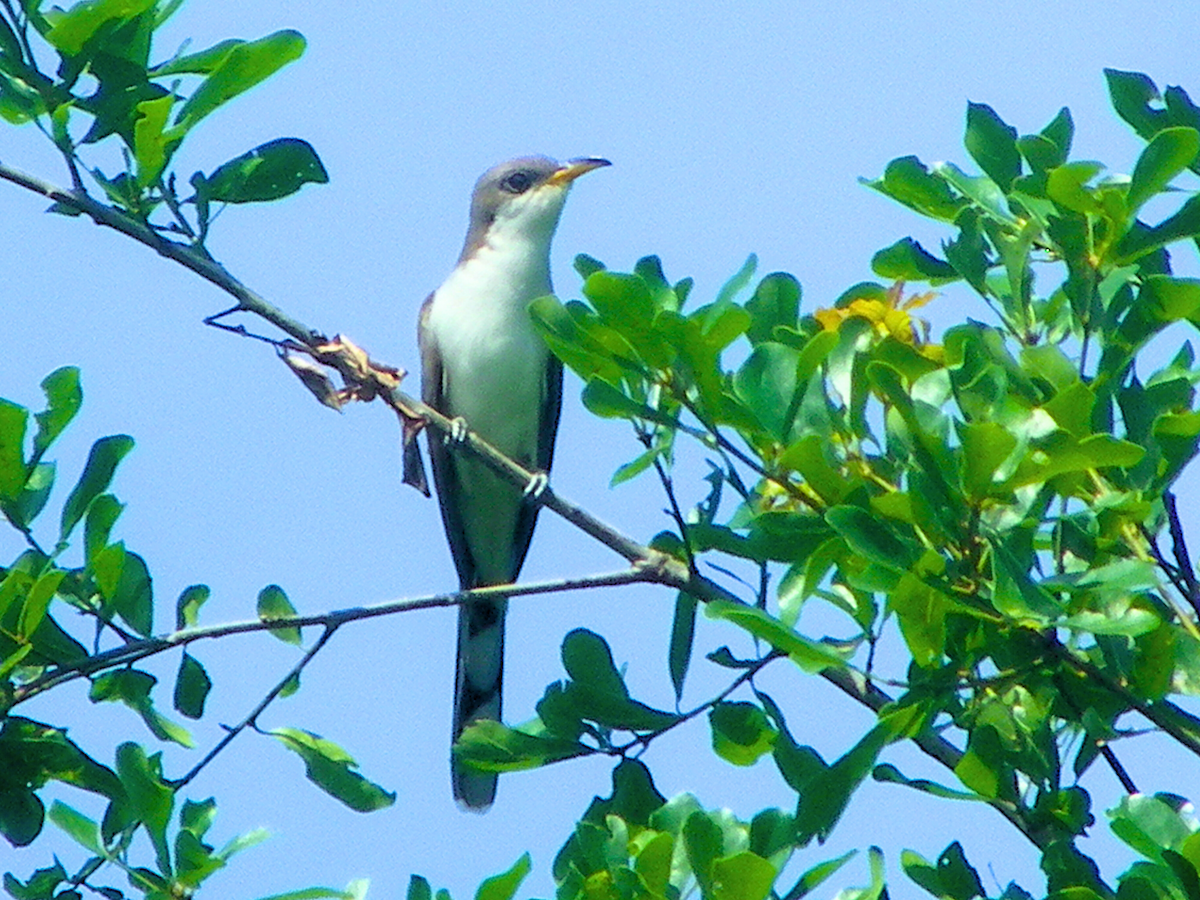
column 537, row 485
column 458, row 430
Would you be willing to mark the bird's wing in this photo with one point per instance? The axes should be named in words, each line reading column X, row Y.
column 548, row 430
column 435, row 393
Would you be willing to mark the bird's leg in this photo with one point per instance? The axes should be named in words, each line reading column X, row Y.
column 537, row 484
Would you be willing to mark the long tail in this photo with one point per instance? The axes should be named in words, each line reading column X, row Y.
column 477, row 681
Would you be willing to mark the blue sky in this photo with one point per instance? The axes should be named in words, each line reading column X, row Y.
column 733, row 128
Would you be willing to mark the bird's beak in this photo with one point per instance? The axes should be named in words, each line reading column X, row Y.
column 576, row 167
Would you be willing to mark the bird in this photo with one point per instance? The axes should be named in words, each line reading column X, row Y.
column 484, row 366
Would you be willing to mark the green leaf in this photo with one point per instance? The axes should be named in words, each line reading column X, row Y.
column 585, row 265
column 872, row 537
column 776, row 302
column 1067, row 185
column 704, row 844
column 1062, row 454
column 97, row 475
column 241, row 69
column 921, row 611
column 418, row 889
column 981, row 767
column 959, row 879
column 187, row 607
column 907, row 260
column 504, row 886
column 39, row 886
column 993, row 144
column 273, row 603
column 200, row 63
column 105, row 567
column 332, row 769
column 153, row 143
column 567, row 331
column 737, row 283
column 1061, row 131
column 1150, row 825
column 741, row 733
column 635, row 467
column 1138, row 102
column 742, row 876
column 21, row 817
column 980, row 190
column 78, row 827
column 192, row 685
column 1169, row 152
column 683, row 631
column 602, row 399
column 493, row 747
column 811, row 656
column 825, row 795
column 598, row 693
column 13, row 421
column 73, row 29
column 907, row 181
column 132, row 688
column 270, row 171
column 33, row 496
column 1139, row 241
column 766, row 383
column 102, row 514
column 149, row 798
column 889, row 774
column 986, row 446
column 64, row 396
column 37, row 601
column 134, row 597
column 819, row 873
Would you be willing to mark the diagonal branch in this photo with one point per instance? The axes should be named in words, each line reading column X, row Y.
column 252, row 718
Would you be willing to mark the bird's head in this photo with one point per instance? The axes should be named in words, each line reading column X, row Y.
column 523, row 198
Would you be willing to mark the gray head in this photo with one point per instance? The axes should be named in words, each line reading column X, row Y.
column 524, row 195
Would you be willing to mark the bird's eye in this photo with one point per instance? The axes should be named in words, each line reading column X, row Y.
column 517, row 182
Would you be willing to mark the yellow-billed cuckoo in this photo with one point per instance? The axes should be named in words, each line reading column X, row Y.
column 484, row 364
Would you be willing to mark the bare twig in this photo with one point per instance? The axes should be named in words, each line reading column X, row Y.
column 143, row 649
column 1182, row 557
column 252, row 718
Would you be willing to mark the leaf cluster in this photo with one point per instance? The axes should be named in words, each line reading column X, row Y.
column 991, row 503
column 103, row 85
column 998, row 494
column 46, row 607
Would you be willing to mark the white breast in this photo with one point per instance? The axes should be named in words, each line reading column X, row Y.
column 493, row 360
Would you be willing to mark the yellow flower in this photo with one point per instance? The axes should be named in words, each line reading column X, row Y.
column 889, row 317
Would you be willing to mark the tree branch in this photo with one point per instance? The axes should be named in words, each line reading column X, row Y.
column 252, row 717
column 135, row 651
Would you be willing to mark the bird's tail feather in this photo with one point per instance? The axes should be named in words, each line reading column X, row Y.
column 477, row 683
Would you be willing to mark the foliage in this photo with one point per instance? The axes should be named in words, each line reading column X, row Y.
column 998, row 494
column 104, row 76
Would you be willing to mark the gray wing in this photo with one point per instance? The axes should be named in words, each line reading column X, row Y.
column 434, row 393
column 551, row 412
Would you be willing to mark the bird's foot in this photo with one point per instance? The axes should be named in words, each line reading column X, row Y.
column 537, row 485
column 458, row 430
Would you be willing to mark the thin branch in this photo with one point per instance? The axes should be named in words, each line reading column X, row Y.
column 668, row 486
column 644, row 740
column 143, row 649
column 1179, row 724
column 1179, row 541
column 186, row 256
column 938, row 748
column 669, row 571
column 252, row 718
